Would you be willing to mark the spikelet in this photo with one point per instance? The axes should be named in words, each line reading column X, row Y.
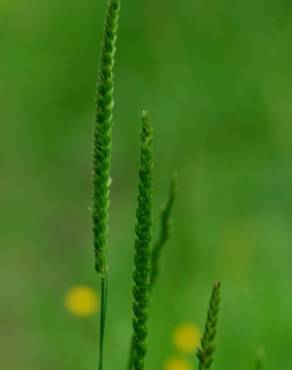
column 103, row 136
column 207, row 348
column 143, row 228
column 165, row 230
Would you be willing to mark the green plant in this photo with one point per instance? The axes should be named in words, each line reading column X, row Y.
column 142, row 247
column 144, row 274
column 207, row 348
column 165, row 229
column 102, row 156
column 146, row 259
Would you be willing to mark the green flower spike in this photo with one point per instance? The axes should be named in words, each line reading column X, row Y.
column 103, row 137
column 102, row 156
column 142, row 258
column 207, row 348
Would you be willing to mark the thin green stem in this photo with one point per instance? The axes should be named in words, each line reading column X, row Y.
column 130, row 361
column 104, row 288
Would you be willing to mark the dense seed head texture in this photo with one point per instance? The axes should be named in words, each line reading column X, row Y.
column 142, row 257
column 103, row 137
column 165, row 228
column 207, row 348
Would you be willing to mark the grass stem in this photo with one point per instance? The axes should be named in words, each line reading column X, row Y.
column 104, row 288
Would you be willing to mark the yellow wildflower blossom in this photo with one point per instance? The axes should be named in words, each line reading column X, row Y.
column 186, row 337
column 82, row 301
column 176, row 363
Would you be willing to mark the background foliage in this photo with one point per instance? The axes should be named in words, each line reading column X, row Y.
column 217, row 78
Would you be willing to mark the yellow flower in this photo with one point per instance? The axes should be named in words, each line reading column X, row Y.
column 186, row 337
column 176, row 363
column 82, row 301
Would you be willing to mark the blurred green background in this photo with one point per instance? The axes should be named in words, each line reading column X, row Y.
column 217, row 77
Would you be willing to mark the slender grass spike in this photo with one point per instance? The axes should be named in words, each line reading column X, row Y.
column 103, row 136
column 142, row 257
column 207, row 348
column 102, row 155
column 165, row 229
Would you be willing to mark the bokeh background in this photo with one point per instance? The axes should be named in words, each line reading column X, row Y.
column 217, row 77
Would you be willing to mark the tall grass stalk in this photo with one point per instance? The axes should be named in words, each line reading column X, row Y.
column 165, row 230
column 102, row 156
column 143, row 230
column 207, row 348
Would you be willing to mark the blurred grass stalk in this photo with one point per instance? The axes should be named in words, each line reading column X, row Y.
column 165, row 230
column 102, row 156
column 260, row 357
column 207, row 348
